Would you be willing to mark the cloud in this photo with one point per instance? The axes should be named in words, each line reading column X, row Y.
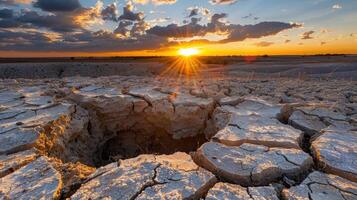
column 177, row 31
column 122, row 28
column 307, row 35
column 323, row 31
column 84, row 41
column 222, row 2
column 323, row 43
column 69, row 30
column 57, row 5
column 58, row 23
column 287, row 41
column 14, row 2
column 240, row 33
column 234, row 32
column 336, row 7
column 250, row 16
column 128, row 14
column 156, row 2
column 160, row 2
column 159, row 20
column 110, row 12
column 6, row 13
column 11, row 23
column 194, row 11
column 86, row 17
column 264, row 44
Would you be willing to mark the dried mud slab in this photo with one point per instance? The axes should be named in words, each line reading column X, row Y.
column 322, row 186
column 255, row 106
column 237, row 192
column 314, row 119
column 241, row 107
column 251, row 120
column 37, row 180
column 252, row 165
column 311, row 125
column 173, row 176
column 258, row 130
column 336, row 153
column 39, row 121
column 12, row 162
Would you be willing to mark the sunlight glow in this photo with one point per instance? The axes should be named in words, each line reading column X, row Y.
column 187, row 52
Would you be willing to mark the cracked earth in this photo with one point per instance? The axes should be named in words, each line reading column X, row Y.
column 129, row 137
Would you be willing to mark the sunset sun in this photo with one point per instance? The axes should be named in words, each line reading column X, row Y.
column 187, row 52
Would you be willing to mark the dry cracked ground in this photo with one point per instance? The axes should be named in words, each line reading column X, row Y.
column 127, row 137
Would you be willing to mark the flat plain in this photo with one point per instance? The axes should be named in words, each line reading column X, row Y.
column 153, row 128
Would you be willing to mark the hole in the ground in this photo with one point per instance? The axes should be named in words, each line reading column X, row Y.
column 129, row 144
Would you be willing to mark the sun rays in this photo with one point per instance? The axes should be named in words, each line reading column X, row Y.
column 185, row 66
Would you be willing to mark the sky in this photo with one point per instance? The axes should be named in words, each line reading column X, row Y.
column 52, row 28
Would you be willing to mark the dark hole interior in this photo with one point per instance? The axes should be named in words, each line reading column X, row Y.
column 129, row 144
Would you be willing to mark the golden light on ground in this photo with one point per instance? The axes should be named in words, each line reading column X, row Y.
column 185, row 66
column 187, row 52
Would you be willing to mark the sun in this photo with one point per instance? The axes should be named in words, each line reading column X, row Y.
column 187, row 52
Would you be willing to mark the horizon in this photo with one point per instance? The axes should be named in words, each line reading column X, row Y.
column 131, row 28
column 175, row 56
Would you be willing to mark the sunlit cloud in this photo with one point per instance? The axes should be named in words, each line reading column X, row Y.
column 222, row 2
column 336, row 7
column 102, row 26
column 194, row 11
column 90, row 16
column 15, row 2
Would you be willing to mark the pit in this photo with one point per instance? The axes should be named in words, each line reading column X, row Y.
column 127, row 126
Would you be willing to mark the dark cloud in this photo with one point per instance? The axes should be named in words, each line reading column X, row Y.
column 176, row 31
column 264, row 44
column 214, row 2
column 58, row 23
column 10, row 40
column 194, row 12
column 128, row 14
column 57, row 5
column 240, row 33
column 110, row 13
column 139, row 28
column 122, row 28
column 250, row 16
column 234, row 32
column 10, row 23
column 84, row 41
column 6, row 13
column 307, row 35
column 287, row 41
